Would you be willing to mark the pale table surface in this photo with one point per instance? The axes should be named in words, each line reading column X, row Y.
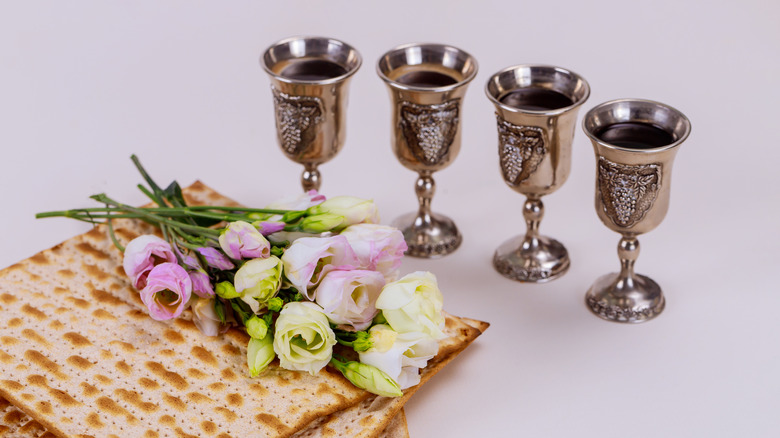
column 85, row 84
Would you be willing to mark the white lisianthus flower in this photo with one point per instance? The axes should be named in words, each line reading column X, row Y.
column 303, row 339
column 308, row 259
column 414, row 304
column 258, row 280
column 399, row 355
column 204, row 316
column 353, row 210
column 349, row 297
column 378, row 247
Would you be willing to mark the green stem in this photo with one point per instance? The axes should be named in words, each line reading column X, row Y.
column 158, row 219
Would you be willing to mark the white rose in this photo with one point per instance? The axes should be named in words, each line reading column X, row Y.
column 303, row 339
column 378, row 247
column 414, row 304
column 349, row 297
column 399, row 355
column 308, row 259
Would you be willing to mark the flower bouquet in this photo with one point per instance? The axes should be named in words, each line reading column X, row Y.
column 314, row 282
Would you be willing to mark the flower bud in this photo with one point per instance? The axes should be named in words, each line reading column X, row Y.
column 370, row 378
column 226, row 290
column 353, row 210
column 319, row 223
column 259, row 353
column 275, row 304
column 241, row 240
column 256, row 327
column 215, row 258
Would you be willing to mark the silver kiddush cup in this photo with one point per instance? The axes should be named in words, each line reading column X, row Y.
column 635, row 142
column 536, row 113
column 309, row 81
column 427, row 83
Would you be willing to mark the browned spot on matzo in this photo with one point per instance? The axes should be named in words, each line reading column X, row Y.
column 41, row 361
column 76, row 339
column 35, row 313
column 93, row 420
column 67, row 273
column 95, row 272
column 235, row 400
column 63, row 398
column 197, row 374
column 14, row 322
column 229, row 415
column 175, row 402
column 258, row 389
column 102, row 314
column 208, row 427
column 91, row 250
column 204, row 356
column 8, row 340
column 35, row 337
column 199, row 398
column 12, row 385
column 37, row 380
column 170, row 377
column 39, row 259
column 78, row 302
column 180, row 433
column 123, row 367
column 172, row 336
column 56, row 325
column 113, row 408
column 89, row 390
column 272, row 421
column 80, row 363
column 103, row 379
column 104, row 297
column 228, row 374
column 167, row 420
column 8, row 299
column 127, row 347
column 5, row 357
column 44, row 407
column 148, row 384
column 134, row 399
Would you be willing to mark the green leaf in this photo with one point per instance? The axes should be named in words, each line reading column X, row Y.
column 219, row 309
column 241, row 308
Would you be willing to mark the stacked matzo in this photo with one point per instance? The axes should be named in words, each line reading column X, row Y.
column 80, row 356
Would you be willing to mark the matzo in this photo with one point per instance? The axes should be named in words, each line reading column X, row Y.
column 78, row 339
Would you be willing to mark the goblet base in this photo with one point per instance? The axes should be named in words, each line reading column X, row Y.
column 428, row 235
column 631, row 299
column 531, row 260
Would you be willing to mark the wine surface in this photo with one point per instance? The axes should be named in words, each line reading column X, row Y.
column 536, row 99
column 426, row 79
column 312, row 70
column 635, row 135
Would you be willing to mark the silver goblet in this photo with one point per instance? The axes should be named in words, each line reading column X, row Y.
column 635, row 142
column 309, row 81
column 536, row 111
column 427, row 83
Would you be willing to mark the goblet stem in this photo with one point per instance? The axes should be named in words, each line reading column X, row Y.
column 425, row 188
column 533, row 211
column 628, row 252
column 310, row 179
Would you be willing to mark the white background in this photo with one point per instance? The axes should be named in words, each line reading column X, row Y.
column 85, row 84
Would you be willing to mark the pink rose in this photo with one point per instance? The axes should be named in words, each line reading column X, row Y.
column 378, row 247
column 241, row 240
column 308, row 259
column 201, row 283
column 144, row 253
column 349, row 297
column 167, row 292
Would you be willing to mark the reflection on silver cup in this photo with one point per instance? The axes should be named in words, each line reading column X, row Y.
column 309, row 83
